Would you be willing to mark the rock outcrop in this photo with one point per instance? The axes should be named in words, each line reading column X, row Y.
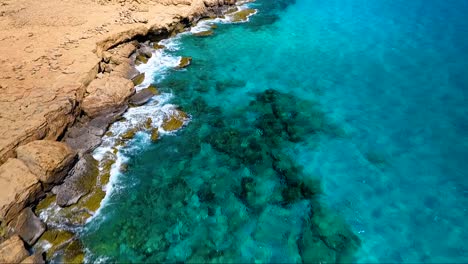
column 19, row 188
column 79, row 182
column 34, row 259
column 49, row 160
column 28, row 226
column 106, row 95
column 13, row 251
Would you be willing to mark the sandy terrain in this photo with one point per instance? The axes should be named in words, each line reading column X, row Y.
column 48, row 55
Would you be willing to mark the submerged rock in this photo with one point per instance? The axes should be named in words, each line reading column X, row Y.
column 149, row 123
column 184, row 62
column 138, row 79
column 28, row 226
column 158, row 46
column 175, row 121
column 93, row 201
column 243, row 15
column 154, row 134
column 57, row 239
column 129, row 134
column 204, row 33
column 141, row 59
column 153, row 89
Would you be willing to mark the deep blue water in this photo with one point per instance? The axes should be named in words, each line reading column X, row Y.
column 366, row 99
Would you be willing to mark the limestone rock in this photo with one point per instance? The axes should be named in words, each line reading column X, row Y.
column 243, row 15
column 28, row 226
column 139, row 79
column 12, row 250
column 142, row 97
column 125, row 70
column 106, row 94
column 174, row 121
column 85, row 137
column 19, row 188
column 48, row 160
column 34, row 259
column 206, row 33
column 184, row 62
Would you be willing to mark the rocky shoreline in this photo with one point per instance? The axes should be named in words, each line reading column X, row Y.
column 37, row 169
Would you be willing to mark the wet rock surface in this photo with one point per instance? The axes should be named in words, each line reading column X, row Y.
column 141, row 97
column 78, row 183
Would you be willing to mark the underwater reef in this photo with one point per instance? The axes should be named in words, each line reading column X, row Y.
column 227, row 191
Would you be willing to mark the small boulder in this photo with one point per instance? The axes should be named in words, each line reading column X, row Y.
column 154, row 134
column 19, row 188
column 141, row 59
column 157, row 46
column 12, row 250
column 243, row 15
column 34, row 259
column 174, row 121
column 142, row 97
column 106, row 94
column 206, row 33
column 184, row 62
column 48, row 160
column 28, row 226
column 145, row 51
column 137, row 80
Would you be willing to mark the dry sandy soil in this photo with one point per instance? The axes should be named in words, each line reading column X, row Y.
column 48, row 55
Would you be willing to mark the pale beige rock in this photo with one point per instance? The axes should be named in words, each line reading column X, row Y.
column 43, row 76
column 19, row 188
column 48, row 160
column 106, row 94
column 34, row 259
column 12, row 250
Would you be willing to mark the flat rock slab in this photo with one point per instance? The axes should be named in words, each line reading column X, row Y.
column 34, row 259
column 12, row 250
column 49, row 160
column 106, row 94
column 19, row 188
column 28, row 226
column 142, row 97
column 79, row 182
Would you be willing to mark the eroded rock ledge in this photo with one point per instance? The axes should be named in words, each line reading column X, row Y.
column 73, row 103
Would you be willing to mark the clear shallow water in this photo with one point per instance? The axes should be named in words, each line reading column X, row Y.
column 365, row 99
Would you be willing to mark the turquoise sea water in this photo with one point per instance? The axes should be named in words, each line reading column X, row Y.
column 320, row 131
